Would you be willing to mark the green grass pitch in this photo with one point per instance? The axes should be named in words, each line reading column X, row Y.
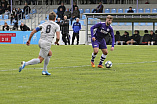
column 131, row 80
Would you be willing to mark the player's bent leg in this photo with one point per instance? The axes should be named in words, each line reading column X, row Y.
column 31, row 62
column 46, row 62
column 103, row 57
column 95, row 51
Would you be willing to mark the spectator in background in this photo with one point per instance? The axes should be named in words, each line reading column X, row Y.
column 76, row 28
column 6, row 27
column 13, row 17
column 5, row 3
column 58, row 21
column 117, row 37
column 8, row 8
column 99, row 8
column 67, row 13
column 61, row 6
column 152, row 39
column 14, row 11
column 146, row 37
column 60, row 13
column 65, row 30
column 20, row 2
column 135, row 38
column 24, row 27
column 75, row 14
column 75, row 5
column 3, row 8
column 26, row 9
column 1, row 11
column 19, row 14
column 130, row 10
column 146, row 2
column 124, row 38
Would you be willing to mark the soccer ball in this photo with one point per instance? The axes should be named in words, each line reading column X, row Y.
column 108, row 64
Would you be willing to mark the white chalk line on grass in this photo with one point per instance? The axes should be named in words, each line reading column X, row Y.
column 84, row 65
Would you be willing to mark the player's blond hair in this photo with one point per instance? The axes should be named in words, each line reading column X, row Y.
column 109, row 17
column 52, row 16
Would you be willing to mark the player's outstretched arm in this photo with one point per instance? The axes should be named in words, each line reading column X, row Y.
column 30, row 37
column 57, row 37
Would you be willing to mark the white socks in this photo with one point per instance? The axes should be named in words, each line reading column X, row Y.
column 32, row 62
column 46, row 62
column 37, row 61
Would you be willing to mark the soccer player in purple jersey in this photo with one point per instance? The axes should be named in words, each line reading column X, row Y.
column 98, row 41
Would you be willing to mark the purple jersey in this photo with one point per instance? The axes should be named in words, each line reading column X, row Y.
column 102, row 31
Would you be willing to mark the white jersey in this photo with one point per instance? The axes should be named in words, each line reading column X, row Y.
column 48, row 30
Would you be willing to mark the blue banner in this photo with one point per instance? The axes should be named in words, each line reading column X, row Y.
column 20, row 38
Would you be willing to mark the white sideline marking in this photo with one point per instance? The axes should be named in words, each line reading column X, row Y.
column 84, row 65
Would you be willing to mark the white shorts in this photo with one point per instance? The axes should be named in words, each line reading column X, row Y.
column 45, row 47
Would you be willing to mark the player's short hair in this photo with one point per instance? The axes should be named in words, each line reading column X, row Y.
column 130, row 7
column 52, row 15
column 109, row 17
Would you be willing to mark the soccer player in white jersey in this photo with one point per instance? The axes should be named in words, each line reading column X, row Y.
column 48, row 30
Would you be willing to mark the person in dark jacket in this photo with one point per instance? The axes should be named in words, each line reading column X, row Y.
column 26, row 9
column 76, row 28
column 125, row 37
column 67, row 13
column 135, row 38
column 6, row 27
column 14, row 11
column 65, row 30
column 5, row 3
column 58, row 21
column 146, row 37
column 1, row 11
column 8, row 8
column 60, row 14
column 75, row 14
column 130, row 10
column 74, row 5
column 3, row 8
column 19, row 14
column 117, row 37
column 61, row 6
column 23, row 27
column 152, row 39
column 99, row 8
